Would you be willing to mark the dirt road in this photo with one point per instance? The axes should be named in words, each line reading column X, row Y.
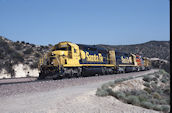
column 77, row 98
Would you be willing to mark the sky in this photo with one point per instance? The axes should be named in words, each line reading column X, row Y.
column 111, row 22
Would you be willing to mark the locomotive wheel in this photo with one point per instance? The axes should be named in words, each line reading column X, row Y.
column 41, row 76
column 103, row 71
column 138, row 69
column 79, row 72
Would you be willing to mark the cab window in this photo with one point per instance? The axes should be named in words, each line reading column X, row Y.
column 74, row 50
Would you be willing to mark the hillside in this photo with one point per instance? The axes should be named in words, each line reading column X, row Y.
column 158, row 51
column 13, row 53
column 151, row 49
column 20, row 59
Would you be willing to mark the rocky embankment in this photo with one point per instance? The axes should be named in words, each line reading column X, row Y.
column 65, row 96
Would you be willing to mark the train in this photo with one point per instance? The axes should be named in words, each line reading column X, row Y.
column 67, row 59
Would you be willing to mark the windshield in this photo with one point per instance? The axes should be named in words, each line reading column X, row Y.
column 61, row 48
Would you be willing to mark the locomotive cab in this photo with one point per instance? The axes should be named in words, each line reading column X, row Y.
column 61, row 56
column 67, row 53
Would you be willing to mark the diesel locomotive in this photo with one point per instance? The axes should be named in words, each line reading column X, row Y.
column 67, row 59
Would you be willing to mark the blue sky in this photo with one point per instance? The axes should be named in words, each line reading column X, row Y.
column 112, row 22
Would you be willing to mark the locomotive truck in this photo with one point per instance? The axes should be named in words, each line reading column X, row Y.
column 67, row 59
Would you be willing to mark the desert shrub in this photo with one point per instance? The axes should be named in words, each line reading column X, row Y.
column 157, row 75
column 156, row 82
column 23, row 42
column 34, row 65
column 2, row 55
column 157, row 107
column 28, row 51
column 37, row 55
column 158, row 90
column 33, row 45
column 143, row 97
column 164, row 80
column 130, row 77
column 166, row 91
column 154, row 79
column 18, row 47
column 110, row 92
column 146, row 84
column 119, row 95
column 105, row 86
column 163, row 101
column 101, row 92
column 154, row 101
column 9, row 50
column 168, row 100
column 9, row 69
column 162, row 71
column 3, row 43
column 140, row 92
column 153, row 85
column 148, row 90
column 147, row 78
column 120, row 80
column 165, row 108
column 147, row 105
column 133, row 100
column 17, row 41
column 134, row 92
column 156, row 95
column 17, row 56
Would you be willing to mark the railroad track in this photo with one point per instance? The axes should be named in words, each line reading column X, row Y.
column 22, row 87
column 34, row 79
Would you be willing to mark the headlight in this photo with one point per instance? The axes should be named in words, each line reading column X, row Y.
column 52, row 54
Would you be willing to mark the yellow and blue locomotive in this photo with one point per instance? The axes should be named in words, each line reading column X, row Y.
column 67, row 59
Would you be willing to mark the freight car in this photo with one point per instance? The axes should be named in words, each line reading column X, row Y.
column 67, row 59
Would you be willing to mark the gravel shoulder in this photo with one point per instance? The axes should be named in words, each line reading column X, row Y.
column 76, row 98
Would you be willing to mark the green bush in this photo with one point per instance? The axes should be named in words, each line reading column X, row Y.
column 155, row 79
column 147, row 78
column 119, row 80
column 152, row 97
column 146, row 84
column 122, row 79
column 143, row 97
column 119, row 95
column 147, row 105
column 159, row 90
column 148, row 90
column 34, row 65
column 157, row 75
column 162, row 71
column 18, row 47
column 133, row 100
column 165, row 108
column 163, row 102
column 166, row 91
column 23, row 42
column 17, row 56
column 101, row 92
column 138, row 92
column 157, row 107
column 105, row 86
column 37, row 55
column 164, row 80
column 153, row 85
column 154, row 101
column 156, row 95
column 28, row 51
